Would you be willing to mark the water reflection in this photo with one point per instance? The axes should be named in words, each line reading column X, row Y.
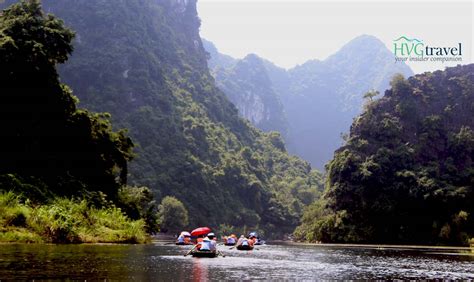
column 164, row 262
column 200, row 271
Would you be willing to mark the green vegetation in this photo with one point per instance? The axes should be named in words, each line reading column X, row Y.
column 65, row 221
column 143, row 61
column 51, row 151
column 150, row 72
column 172, row 215
column 44, row 135
column 139, row 203
column 370, row 95
column 406, row 173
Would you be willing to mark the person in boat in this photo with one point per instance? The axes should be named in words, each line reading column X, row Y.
column 243, row 241
column 231, row 240
column 213, row 239
column 208, row 243
column 199, row 241
column 253, row 238
column 187, row 240
column 181, row 239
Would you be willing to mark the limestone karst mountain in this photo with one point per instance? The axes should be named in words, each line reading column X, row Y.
column 319, row 99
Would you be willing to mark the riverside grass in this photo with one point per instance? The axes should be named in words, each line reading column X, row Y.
column 65, row 221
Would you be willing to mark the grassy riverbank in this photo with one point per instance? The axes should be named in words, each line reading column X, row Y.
column 65, row 221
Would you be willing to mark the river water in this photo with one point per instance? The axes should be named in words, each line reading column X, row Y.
column 159, row 261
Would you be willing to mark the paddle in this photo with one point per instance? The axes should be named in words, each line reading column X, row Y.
column 190, row 251
column 186, row 244
column 221, row 254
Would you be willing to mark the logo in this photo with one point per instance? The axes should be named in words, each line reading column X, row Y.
column 415, row 50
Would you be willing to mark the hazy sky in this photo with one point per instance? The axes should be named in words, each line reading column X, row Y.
column 290, row 32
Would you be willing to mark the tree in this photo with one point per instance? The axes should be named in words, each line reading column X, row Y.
column 371, row 94
column 192, row 143
column 173, row 216
column 405, row 175
column 43, row 134
column 139, row 203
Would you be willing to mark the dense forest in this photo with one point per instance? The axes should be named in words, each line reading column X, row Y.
column 312, row 104
column 148, row 141
column 143, row 62
column 50, row 148
column 406, row 173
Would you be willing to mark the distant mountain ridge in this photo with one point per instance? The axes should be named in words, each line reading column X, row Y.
column 319, row 98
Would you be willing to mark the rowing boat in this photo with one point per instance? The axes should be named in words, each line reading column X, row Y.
column 204, row 254
column 244, row 247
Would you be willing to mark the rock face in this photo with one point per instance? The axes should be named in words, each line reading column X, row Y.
column 247, row 85
column 320, row 98
column 217, row 60
column 143, row 61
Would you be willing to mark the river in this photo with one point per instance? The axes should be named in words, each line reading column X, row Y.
column 159, row 261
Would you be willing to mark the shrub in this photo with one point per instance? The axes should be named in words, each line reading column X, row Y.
column 12, row 212
column 139, row 203
column 66, row 221
column 173, row 216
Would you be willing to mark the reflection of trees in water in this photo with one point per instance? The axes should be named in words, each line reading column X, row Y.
column 200, row 271
column 77, row 262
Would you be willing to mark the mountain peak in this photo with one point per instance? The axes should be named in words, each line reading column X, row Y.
column 365, row 38
column 309, row 64
column 362, row 45
column 215, row 58
column 253, row 59
column 252, row 64
column 209, row 46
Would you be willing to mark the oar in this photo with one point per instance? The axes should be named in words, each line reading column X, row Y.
column 190, row 250
column 220, row 253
